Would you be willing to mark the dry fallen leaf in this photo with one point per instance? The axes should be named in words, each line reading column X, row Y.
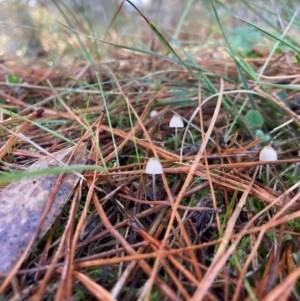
column 22, row 204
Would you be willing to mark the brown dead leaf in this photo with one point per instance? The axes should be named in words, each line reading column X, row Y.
column 22, row 204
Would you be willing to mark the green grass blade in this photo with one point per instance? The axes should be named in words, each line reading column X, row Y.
column 239, row 62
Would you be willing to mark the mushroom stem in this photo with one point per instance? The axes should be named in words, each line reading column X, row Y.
column 154, row 187
column 268, row 174
column 176, row 138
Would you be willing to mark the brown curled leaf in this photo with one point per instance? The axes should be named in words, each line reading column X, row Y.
column 22, row 204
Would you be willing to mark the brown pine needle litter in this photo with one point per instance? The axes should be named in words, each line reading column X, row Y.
column 215, row 227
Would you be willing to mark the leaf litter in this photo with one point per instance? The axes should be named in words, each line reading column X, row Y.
column 111, row 252
column 23, row 202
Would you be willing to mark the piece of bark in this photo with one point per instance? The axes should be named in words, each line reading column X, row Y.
column 22, row 204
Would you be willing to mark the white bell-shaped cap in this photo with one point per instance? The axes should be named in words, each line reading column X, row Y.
column 268, row 153
column 154, row 167
column 176, row 122
column 153, row 113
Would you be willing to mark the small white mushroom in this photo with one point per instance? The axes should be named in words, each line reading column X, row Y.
column 153, row 168
column 176, row 122
column 153, row 113
column 268, row 154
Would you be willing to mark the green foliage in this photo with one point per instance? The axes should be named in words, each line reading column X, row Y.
column 12, row 79
column 265, row 137
column 155, row 294
column 80, row 294
column 275, row 37
column 294, row 224
column 297, row 56
column 256, row 205
column 242, row 39
column 32, row 149
column 254, row 119
column 241, row 253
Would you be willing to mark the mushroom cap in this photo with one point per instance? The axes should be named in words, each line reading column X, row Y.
column 176, row 122
column 268, row 153
column 153, row 113
column 154, row 167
